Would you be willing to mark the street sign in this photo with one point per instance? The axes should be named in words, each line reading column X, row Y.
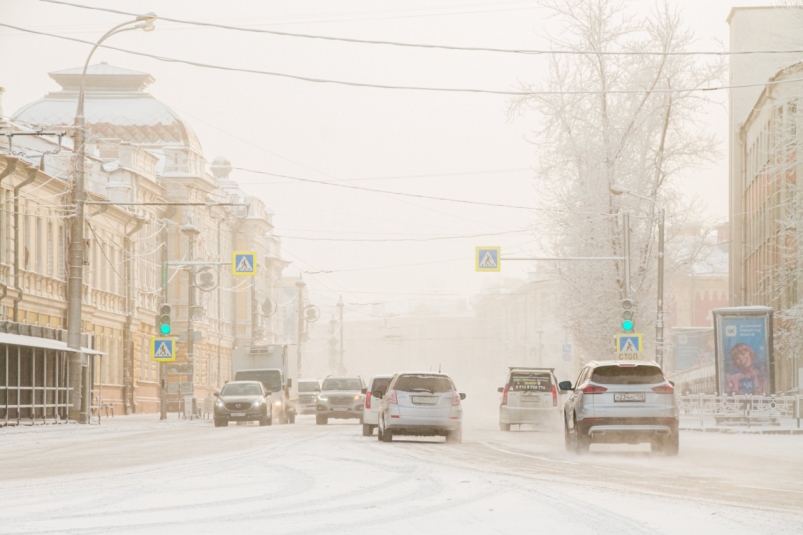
column 244, row 263
column 163, row 349
column 488, row 259
column 628, row 343
column 567, row 352
column 627, row 356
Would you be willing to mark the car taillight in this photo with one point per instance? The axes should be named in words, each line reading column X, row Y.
column 593, row 389
column 368, row 400
column 554, row 396
column 664, row 389
column 455, row 399
column 504, row 395
column 392, row 397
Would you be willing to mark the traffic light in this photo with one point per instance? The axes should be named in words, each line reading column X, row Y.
column 164, row 319
column 627, row 315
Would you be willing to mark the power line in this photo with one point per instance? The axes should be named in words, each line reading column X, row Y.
column 435, row 238
column 410, row 88
column 431, row 46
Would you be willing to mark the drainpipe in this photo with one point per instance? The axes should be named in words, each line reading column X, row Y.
column 128, row 387
column 31, row 177
column 11, row 165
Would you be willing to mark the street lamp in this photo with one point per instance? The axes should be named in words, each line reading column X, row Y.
column 75, row 281
column 659, row 321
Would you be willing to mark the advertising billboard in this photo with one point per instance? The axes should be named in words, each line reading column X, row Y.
column 744, row 353
column 692, row 347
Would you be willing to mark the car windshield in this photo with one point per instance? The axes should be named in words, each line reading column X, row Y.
column 627, row 375
column 346, row 383
column 270, row 379
column 241, row 389
column 531, row 382
column 309, row 386
column 380, row 384
column 434, row 384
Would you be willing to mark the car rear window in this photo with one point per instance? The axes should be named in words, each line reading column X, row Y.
column 531, row 382
column 434, row 384
column 627, row 375
column 380, row 384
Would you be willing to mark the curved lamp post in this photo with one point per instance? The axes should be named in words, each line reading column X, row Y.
column 75, row 281
column 659, row 320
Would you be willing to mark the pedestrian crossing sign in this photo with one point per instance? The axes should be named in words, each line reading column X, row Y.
column 243, row 263
column 163, row 349
column 628, row 343
column 488, row 259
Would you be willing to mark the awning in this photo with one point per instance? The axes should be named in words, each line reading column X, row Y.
column 43, row 343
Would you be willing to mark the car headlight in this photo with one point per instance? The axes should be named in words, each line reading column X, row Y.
column 358, row 397
column 219, row 403
column 278, row 403
column 257, row 403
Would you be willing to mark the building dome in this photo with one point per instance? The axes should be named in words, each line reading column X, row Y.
column 115, row 106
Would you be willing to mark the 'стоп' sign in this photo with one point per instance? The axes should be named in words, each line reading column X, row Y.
column 627, row 356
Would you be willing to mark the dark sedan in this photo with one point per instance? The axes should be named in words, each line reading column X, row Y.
column 242, row 401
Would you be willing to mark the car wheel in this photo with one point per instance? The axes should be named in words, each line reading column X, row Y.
column 367, row 430
column 321, row 420
column 504, row 427
column 220, row 422
column 456, row 436
column 263, row 419
column 387, row 436
column 581, row 441
column 671, row 445
column 568, row 438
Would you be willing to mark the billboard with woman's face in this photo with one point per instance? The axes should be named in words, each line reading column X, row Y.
column 744, row 351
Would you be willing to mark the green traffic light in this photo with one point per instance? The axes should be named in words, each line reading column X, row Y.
column 627, row 325
column 165, row 328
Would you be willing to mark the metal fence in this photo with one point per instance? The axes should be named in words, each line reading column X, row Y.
column 742, row 410
column 33, row 385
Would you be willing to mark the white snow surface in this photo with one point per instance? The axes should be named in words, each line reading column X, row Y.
column 136, row 474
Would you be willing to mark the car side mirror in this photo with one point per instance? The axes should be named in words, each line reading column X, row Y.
column 378, row 394
column 364, row 391
column 501, row 389
column 289, row 383
column 216, row 394
column 672, row 383
column 565, row 386
column 462, row 396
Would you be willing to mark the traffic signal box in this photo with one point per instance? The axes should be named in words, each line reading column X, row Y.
column 164, row 319
column 627, row 316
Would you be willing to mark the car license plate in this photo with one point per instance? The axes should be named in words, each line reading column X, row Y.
column 629, row 397
column 340, row 409
column 423, row 400
column 237, row 414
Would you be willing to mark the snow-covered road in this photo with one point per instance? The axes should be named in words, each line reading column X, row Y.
column 139, row 475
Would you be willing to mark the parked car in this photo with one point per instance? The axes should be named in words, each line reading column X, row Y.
column 340, row 398
column 421, row 404
column 370, row 414
column 621, row 402
column 242, row 401
column 530, row 396
column 308, row 390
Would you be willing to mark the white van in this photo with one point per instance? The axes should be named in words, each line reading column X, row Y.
column 530, row 396
column 370, row 413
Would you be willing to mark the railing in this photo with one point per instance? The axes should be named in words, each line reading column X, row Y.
column 741, row 410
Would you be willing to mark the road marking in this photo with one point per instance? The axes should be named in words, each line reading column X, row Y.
column 775, row 490
column 526, row 455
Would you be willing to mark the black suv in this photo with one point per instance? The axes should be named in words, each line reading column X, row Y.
column 242, row 401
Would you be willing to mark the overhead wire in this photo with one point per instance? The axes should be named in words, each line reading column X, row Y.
column 429, row 45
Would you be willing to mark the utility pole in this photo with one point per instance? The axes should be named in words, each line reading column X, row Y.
column 300, row 285
column 191, row 231
column 254, row 313
column 75, row 281
column 626, row 250
column 659, row 322
column 340, row 305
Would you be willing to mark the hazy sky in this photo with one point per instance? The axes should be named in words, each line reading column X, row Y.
column 440, row 144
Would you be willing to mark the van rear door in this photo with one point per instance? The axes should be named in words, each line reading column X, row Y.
column 530, row 390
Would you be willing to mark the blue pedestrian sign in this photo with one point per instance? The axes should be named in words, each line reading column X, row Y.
column 628, row 343
column 163, row 349
column 243, row 263
column 488, row 259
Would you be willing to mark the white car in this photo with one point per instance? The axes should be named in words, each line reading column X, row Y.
column 370, row 413
column 530, row 396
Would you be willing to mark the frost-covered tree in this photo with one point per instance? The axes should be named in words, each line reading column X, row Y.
column 631, row 132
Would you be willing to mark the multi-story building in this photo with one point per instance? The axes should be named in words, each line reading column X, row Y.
column 150, row 193
column 764, row 165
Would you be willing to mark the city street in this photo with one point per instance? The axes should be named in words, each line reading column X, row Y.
column 139, row 475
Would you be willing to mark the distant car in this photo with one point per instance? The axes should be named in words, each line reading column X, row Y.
column 421, row 404
column 273, row 382
column 530, row 396
column 621, row 402
column 308, row 390
column 370, row 415
column 242, row 401
column 340, row 398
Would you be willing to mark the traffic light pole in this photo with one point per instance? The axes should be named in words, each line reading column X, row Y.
column 626, row 251
column 659, row 322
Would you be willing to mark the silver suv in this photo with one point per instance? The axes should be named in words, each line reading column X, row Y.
column 621, row 402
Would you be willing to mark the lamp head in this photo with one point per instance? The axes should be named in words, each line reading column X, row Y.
column 145, row 27
column 618, row 190
column 147, row 17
